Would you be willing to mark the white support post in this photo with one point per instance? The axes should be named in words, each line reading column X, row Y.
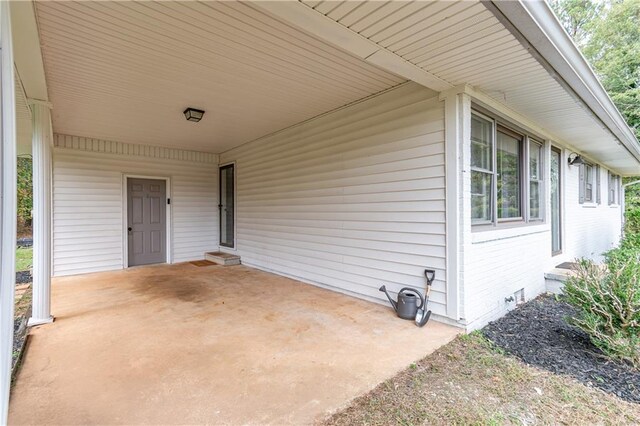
column 8, row 212
column 41, row 147
column 457, row 133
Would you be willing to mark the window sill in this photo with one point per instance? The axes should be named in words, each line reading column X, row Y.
column 589, row 205
column 504, row 232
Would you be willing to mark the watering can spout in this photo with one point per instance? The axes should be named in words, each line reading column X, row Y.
column 394, row 304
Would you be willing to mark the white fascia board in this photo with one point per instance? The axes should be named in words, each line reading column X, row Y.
column 536, row 23
column 27, row 53
column 326, row 29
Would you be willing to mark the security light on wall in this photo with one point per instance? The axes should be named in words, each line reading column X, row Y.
column 575, row 159
column 192, row 114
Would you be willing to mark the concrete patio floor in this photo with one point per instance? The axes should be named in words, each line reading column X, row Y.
column 218, row 345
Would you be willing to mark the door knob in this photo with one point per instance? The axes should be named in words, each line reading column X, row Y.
column 129, row 229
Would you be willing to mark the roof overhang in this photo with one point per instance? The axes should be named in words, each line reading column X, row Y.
column 27, row 54
column 607, row 138
column 30, row 81
column 329, row 31
column 534, row 23
column 515, row 52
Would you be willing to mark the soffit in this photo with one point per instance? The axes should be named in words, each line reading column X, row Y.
column 464, row 43
column 125, row 71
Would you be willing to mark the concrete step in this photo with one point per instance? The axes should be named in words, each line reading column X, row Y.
column 222, row 258
column 555, row 278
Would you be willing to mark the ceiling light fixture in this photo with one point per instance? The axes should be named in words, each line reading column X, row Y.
column 192, row 114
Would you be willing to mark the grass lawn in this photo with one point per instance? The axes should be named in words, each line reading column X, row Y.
column 24, row 258
column 469, row 381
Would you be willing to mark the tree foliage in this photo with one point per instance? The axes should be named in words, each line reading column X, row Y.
column 614, row 52
column 608, row 34
column 25, row 191
column 578, row 17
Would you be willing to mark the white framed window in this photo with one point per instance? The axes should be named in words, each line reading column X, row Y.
column 482, row 176
column 536, row 187
column 507, row 181
column 614, row 189
column 509, row 159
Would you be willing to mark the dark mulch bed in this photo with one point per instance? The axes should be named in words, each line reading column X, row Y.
column 538, row 334
column 19, row 336
column 23, row 277
column 20, row 332
column 25, row 242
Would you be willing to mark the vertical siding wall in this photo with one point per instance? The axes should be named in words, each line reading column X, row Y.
column 88, row 228
column 350, row 200
column 498, row 263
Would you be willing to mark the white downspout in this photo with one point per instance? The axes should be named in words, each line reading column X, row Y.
column 8, row 208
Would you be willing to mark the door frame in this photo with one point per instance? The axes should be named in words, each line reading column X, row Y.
column 235, row 206
column 125, row 216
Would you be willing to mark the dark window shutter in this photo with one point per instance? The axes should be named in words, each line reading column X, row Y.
column 581, row 184
column 597, row 184
column 611, row 189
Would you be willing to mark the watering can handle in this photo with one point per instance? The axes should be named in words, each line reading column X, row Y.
column 412, row 290
column 430, row 275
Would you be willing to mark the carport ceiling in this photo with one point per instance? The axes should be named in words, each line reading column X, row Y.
column 125, row 71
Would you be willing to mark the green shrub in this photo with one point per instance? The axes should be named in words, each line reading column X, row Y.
column 25, row 190
column 632, row 221
column 628, row 245
column 607, row 298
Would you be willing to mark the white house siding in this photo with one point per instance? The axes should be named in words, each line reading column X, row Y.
column 590, row 229
column 88, row 227
column 499, row 263
column 351, row 200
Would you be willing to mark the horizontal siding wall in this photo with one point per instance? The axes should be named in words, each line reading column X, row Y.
column 350, row 200
column 88, row 201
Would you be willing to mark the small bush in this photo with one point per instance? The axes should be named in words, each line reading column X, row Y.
column 608, row 300
column 632, row 221
column 631, row 242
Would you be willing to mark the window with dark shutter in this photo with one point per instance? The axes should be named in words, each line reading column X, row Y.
column 581, row 184
column 589, row 182
column 598, row 200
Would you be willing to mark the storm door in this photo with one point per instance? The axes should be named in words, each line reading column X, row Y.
column 227, row 206
column 556, row 197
